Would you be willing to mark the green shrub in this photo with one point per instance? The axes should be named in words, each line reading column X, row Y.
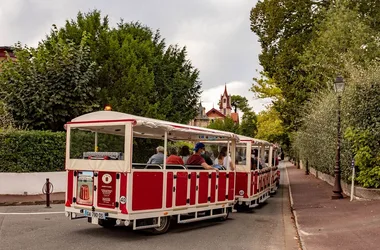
column 316, row 140
column 32, row 151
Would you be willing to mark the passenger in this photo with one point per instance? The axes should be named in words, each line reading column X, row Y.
column 197, row 159
column 207, row 158
column 157, row 158
column 184, row 153
column 174, row 158
column 227, row 160
column 254, row 154
column 218, row 163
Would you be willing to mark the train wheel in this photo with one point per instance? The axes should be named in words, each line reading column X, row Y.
column 163, row 228
column 107, row 223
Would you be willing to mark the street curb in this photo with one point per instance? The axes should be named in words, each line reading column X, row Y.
column 26, row 203
column 302, row 243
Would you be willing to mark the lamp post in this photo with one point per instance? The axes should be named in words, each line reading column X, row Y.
column 337, row 190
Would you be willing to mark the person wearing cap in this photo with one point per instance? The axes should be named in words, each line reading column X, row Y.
column 157, row 158
column 197, row 159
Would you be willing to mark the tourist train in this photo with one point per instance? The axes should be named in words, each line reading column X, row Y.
column 110, row 183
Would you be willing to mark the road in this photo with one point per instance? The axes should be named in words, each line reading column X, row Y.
column 268, row 227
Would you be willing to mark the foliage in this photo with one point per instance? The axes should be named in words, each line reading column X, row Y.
column 269, row 126
column 248, row 125
column 6, row 120
column 140, row 74
column 266, row 87
column 343, row 35
column 32, row 151
column 365, row 157
column 284, row 29
column 240, row 102
column 316, row 140
column 226, row 124
column 44, row 88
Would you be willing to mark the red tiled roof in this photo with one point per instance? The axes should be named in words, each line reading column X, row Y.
column 8, row 49
column 213, row 110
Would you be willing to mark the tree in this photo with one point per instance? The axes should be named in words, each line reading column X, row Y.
column 269, row 126
column 226, row 124
column 266, row 87
column 139, row 73
column 342, row 36
column 45, row 88
column 284, row 28
column 248, row 125
column 240, row 102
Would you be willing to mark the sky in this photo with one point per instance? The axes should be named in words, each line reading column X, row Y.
column 216, row 34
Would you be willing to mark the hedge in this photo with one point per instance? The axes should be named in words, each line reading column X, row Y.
column 316, row 140
column 44, row 151
column 32, row 151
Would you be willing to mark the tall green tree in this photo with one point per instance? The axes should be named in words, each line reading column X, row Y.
column 248, row 125
column 239, row 102
column 284, row 27
column 45, row 88
column 342, row 36
column 139, row 74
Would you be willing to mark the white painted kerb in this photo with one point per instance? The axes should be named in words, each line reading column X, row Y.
column 31, row 183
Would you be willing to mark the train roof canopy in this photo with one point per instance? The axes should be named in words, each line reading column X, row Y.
column 113, row 122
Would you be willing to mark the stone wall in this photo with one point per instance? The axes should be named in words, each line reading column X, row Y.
column 359, row 192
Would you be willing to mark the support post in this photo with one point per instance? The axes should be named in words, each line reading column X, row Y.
column 47, row 193
column 337, row 190
column 352, row 181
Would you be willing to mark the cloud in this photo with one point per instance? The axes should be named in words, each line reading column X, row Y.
column 216, row 32
column 211, row 97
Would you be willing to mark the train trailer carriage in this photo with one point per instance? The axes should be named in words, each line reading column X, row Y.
column 256, row 176
column 255, row 179
column 108, row 188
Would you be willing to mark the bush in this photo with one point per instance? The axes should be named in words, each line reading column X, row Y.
column 316, row 140
column 32, row 151
column 44, row 151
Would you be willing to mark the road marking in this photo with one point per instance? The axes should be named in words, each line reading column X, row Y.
column 305, row 233
column 33, row 213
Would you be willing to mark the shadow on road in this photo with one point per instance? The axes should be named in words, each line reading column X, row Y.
column 121, row 234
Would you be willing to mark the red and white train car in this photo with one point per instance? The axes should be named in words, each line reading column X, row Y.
column 255, row 178
column 110, row 189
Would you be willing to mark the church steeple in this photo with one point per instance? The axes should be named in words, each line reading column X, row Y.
column 225, row 102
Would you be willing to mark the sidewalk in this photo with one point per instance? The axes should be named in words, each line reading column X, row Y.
column 324, row 223
column 13, row 200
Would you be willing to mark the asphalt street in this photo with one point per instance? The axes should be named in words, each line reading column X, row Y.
column 267, row 227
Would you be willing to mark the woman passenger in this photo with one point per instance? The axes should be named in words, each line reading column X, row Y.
column 184, row 153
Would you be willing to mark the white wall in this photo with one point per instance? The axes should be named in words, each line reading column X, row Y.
column 32, row 183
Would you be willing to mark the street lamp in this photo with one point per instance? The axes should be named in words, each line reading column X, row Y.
column 337, row 190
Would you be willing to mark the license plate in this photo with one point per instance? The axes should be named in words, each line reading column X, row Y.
column 98, row 215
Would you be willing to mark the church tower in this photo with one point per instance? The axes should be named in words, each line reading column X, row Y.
column 225, row 103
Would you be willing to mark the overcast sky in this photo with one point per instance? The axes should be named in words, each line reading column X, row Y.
column 216, row 33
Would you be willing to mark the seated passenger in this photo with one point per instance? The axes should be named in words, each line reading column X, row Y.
column 227, row 160
column 157, row 158
column 220, row 161
column 207, row 158
column 174, row 158
column 184, row 153
column 197, row 159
